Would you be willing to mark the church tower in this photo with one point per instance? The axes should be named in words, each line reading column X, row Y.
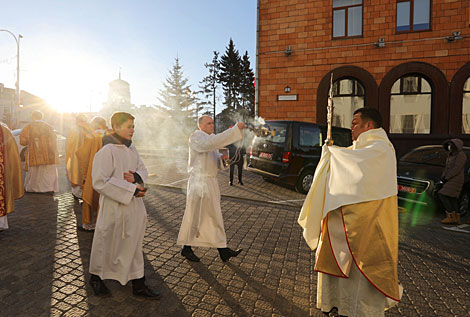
column 119, row 96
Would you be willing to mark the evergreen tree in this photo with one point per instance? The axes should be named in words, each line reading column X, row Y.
column 178, row 102
column 209, row 85
column 247, row 88
column 230, row 75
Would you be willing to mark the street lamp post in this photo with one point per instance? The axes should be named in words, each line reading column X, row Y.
column 17, row 39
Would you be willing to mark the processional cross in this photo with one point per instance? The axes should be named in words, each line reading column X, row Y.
column 329, row 117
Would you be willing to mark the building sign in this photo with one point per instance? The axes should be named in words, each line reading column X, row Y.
column 286, row 97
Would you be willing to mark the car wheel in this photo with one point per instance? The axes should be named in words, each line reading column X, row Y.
column 464, row 202
column 304, row 181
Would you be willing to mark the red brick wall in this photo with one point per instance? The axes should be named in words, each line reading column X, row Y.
column 306, row 26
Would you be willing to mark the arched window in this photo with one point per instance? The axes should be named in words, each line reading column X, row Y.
column 466, row 108
column 348, row 95
column 410, row 105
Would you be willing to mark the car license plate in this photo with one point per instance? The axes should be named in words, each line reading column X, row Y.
column 266, row 155
column 406, row 189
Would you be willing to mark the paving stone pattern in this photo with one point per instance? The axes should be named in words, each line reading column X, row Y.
column 44, row 264
column 172, row 171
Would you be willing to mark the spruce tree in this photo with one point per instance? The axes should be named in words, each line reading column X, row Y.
column 247, row 88
column 178, row 102
column 208, row 86
column 230, row 75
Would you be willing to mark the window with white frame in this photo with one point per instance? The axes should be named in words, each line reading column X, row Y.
column 466, row 108
column 413, row 15
column 347, row 18
column 348, row 95
column 410, row 105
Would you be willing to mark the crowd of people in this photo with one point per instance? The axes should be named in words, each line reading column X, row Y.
column 350, row 215
column 108, row 177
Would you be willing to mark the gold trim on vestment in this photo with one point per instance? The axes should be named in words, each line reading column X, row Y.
column 371, row 230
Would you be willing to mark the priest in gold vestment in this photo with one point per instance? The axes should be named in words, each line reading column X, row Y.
column 11, row 177
column 350, row 216
column 75, row 139
column 85, row 154
column 42, row 156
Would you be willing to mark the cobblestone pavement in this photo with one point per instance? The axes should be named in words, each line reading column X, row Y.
column 44, row 264
column 170, row 171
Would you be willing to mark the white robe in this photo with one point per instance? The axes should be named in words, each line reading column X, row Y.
column 353, row 296
column 3, row 223
column 364, row 172
column 42, row 179
column 203, row 224
column 117, row 243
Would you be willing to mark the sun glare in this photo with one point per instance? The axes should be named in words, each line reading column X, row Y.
column 72, row 82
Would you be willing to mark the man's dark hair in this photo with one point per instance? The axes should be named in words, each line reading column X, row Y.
column 370, row 114
column 118, row 118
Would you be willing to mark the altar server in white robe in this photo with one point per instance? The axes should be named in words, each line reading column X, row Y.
column 203, row 225
column 118, row 175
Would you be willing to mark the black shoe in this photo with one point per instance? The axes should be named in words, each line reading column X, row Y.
column 227, row 253
column 99, row 288
column 231, row 183
column 240, row 182
column 188, row 253
column 146, row 292
column 332, row 313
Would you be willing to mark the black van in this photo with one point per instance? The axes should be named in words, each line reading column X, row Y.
column 291, row 153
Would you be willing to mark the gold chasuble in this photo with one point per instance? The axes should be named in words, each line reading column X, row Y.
column 11, row 177
column 42, row 144
column 85, row 155
column 75, row 139
column 350, row 215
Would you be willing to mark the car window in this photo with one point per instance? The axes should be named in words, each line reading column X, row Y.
column 278, row 132
column 431, row 156
column 342, row 138
column 309, row 136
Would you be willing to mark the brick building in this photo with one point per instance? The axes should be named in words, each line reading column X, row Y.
column 410, row 59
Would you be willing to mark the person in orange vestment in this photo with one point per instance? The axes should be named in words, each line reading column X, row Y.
column 11, row 177
column 75, row 139
column 85, row 155
column 41, row 157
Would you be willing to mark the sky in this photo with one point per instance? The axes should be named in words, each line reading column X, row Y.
column 72, row 49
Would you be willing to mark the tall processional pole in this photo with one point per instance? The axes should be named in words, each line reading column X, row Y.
column 329, row 118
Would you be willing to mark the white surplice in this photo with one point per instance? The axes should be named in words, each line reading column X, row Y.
column 117, row 243
column 203, row 224
column 3, row 223
column 42, row 179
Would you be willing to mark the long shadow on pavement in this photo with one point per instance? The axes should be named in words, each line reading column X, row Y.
column 287, row 308
column 122, row 300
column 206, row 275
column 27, row 257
